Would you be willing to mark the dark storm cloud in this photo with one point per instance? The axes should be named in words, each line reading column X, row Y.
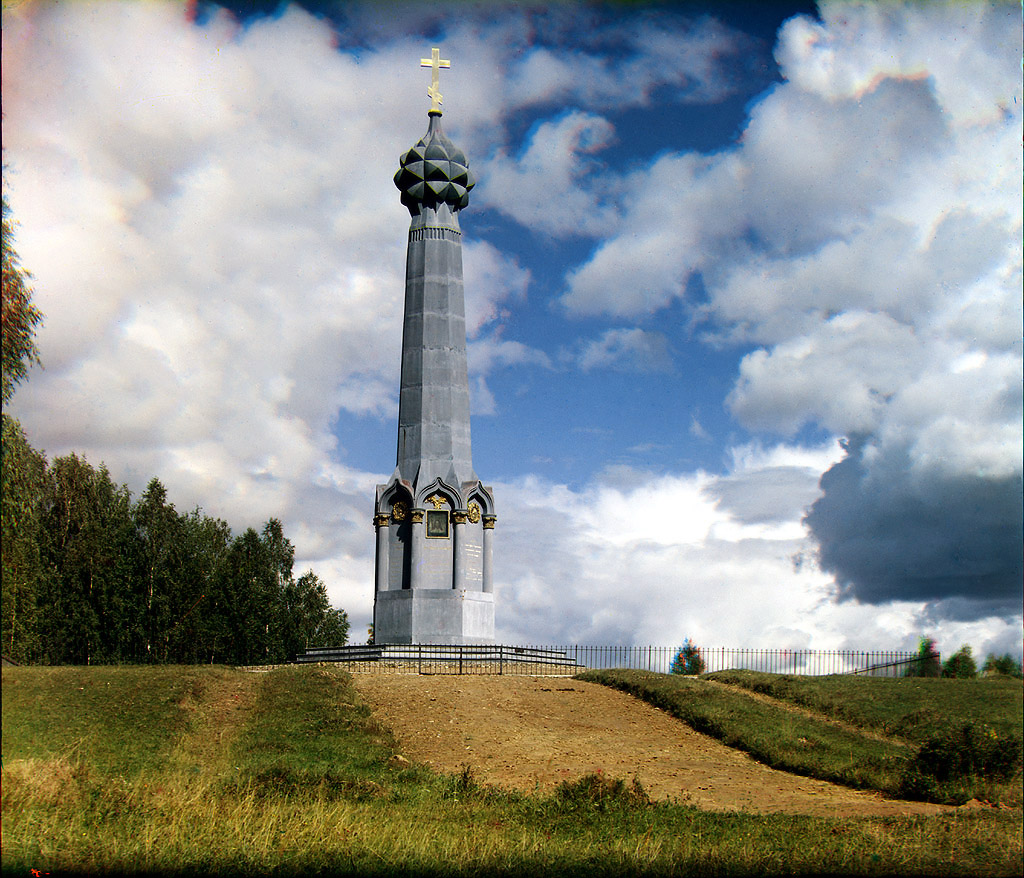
column 952, row 540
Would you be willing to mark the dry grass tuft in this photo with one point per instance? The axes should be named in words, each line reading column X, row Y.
column 54, row 782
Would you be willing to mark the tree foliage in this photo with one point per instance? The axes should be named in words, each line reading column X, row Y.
column 22, row 473
column 1004, row 664
column 688, row 660
column 960, row 664
column 92, row 576
column 928, row 661
column 18, row 315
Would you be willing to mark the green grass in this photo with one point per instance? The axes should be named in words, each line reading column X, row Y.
column 301, row 780
column 779, row 738
column 912, row 708
column 310, row 727
column 114, row 719
column 855, row 753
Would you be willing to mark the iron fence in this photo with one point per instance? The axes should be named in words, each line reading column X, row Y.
column 568, row 660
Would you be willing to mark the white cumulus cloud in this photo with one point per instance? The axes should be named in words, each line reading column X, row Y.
column 217, row 246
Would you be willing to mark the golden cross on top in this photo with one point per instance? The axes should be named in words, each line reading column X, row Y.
column 434, row 92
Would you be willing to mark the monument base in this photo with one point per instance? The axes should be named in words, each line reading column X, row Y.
column 433, row 615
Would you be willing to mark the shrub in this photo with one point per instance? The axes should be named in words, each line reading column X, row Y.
column 969, row 751
column 688, row 660
column 462, row 784
column 1004, row 664
column 949, row 766
column 927, row 663
column 961, row 665
column 594, row 790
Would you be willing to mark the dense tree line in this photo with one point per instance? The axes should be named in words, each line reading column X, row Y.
column 91, row 576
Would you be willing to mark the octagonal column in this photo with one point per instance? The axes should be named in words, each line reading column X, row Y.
column 459, row 518
column 488, row 583
column 382, row 522
column 415, row 547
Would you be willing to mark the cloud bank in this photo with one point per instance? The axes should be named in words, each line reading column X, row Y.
column 865, row 236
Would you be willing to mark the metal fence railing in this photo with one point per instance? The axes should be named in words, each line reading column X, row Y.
column 568, row 660
column 448, row 659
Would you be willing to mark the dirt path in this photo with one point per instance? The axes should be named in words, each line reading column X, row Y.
column 531, row 733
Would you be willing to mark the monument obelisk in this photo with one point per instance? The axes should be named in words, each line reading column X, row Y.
column 434, row 519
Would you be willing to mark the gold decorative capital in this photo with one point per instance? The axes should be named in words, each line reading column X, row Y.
column 399, row 510
column 416, row 516
column 459, row 517
column 489, row 521
column 381, row 519
column 474, row 512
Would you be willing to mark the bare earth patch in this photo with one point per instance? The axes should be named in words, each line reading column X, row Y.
column 531, row 733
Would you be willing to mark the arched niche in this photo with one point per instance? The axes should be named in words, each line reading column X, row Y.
column 481, row 498
column 438, row 500
column 397, row 502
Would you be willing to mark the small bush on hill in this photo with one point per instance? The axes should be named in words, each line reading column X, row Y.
column 959, row 755
column 970, row 751
column 460, row 785
column 595, row 791
column 1004, row 664
column 688, row 660
column 960, row 665
column 927, row 663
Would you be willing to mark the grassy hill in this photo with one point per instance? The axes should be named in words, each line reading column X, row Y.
column 210, row 770
column 940, row 740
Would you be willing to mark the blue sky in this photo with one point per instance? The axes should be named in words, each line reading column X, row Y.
column 581, row 416
column 743, row 294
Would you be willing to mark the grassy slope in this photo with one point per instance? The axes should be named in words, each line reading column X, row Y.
column 300, row 780
column 814, row 747
column 914, row 709
column 118, row 720
column 310, row 727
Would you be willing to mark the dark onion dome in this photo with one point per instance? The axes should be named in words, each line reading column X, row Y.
column 434, row 172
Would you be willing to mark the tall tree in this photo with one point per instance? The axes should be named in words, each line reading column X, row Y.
column 23, row 477
column 159, row 532
column 928, row 662
column 22, row 467
column 333, row 630
column 960, row 664
column 304, row 608
column 87, row 533
column 194, row 626
column 248, row 587
column 273, row 609
column 18, row 317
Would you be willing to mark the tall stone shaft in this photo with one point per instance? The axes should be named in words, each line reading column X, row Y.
column 433, row 407
column 434, row 518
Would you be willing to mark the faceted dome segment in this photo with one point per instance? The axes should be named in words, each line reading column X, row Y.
column 435, row 171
